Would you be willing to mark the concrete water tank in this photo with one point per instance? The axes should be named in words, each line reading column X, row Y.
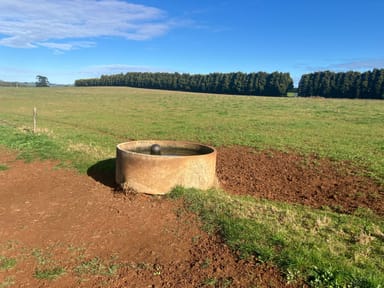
column 155, row 167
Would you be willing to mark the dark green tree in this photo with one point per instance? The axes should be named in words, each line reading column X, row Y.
column 42, row 81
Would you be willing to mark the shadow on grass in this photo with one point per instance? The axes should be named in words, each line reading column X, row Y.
column 104, row 172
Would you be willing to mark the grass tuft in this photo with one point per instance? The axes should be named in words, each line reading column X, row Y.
column 49, row 274
column 7, row 263
column 8, row 282
column 3, row 167
column 95, row 266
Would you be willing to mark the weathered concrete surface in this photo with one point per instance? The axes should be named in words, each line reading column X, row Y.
column 158, row 174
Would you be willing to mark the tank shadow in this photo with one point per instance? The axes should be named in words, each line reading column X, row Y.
column 104, row 172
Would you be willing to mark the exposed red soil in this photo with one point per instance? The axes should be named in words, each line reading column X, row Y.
column 53, row 217
column 292, row 178
column 57, row 218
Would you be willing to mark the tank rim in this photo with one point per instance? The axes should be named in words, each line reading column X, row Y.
column 170, row 143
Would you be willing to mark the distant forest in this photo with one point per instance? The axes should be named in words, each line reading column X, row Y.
column 366, row 85
column 260, row 83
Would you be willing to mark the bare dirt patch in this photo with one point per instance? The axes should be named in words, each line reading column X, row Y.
column 292, row 178
column 62, row 229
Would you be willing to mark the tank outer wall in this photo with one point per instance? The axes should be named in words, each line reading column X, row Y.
column 154, row 174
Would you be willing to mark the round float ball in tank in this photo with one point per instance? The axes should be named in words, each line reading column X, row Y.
column 155, row 149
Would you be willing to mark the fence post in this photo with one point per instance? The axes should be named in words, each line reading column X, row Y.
column 34, row 119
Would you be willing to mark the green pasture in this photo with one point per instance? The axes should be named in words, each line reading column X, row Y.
column 93, row 120
column 81, row 127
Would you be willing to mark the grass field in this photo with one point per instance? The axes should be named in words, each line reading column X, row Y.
column 82, row 126
column 94, row 120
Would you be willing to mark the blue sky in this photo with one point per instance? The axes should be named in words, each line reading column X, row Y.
column 67, row 40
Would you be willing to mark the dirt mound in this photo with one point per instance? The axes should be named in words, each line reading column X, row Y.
column 292, row 178
column 62, row 229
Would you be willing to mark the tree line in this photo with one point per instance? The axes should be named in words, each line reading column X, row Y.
column 351, row 84
column 259, row 83
column 366, row 85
